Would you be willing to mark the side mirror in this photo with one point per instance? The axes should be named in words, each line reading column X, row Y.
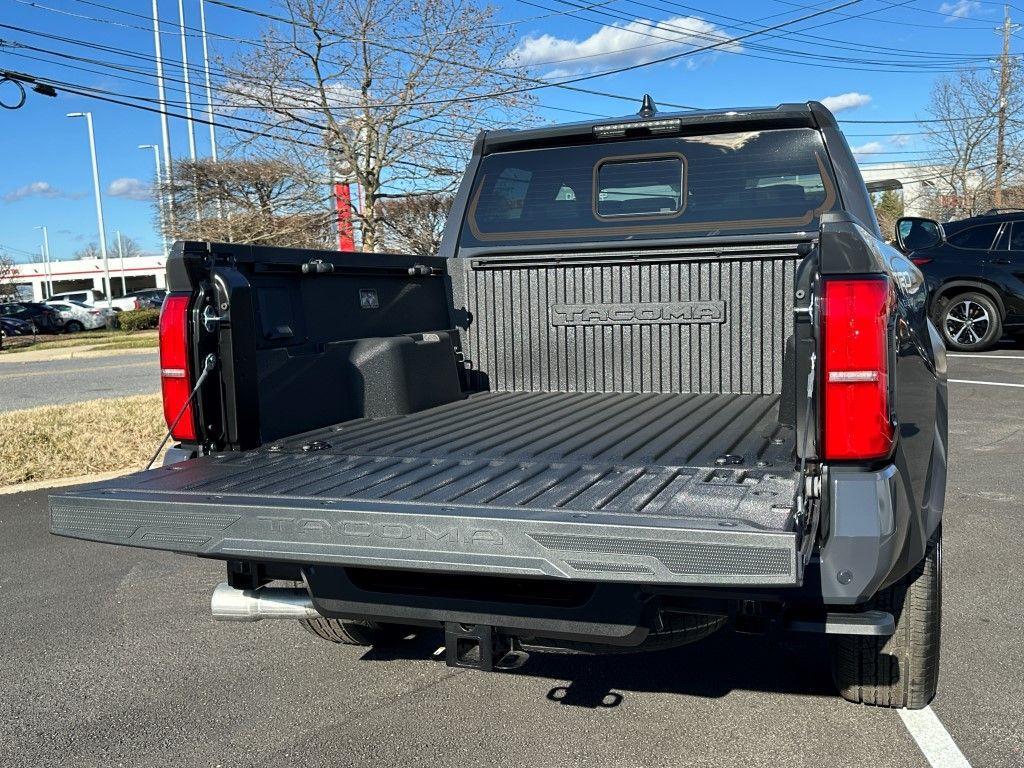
column 914, row 233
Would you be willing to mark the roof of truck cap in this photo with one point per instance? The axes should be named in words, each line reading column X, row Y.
column 811, row 114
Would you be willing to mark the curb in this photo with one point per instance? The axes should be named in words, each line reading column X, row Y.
column 42, row 356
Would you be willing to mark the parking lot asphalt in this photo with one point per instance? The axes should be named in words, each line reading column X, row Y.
column 54, row 382
column 110, row 658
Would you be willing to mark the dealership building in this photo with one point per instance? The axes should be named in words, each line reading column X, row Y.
column 34, row 279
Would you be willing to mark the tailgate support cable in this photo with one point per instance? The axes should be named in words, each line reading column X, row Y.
column 208, row 365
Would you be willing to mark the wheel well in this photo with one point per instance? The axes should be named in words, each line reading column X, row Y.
column 951, row 290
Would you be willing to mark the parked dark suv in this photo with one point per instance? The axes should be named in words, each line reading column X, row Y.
column 974, row 269
column 43, row 319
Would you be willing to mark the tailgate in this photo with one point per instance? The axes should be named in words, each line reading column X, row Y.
column 592, row 522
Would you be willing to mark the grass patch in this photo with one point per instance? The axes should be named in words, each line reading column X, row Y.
column 68, row 440
column 86, row 339
column 135, row 341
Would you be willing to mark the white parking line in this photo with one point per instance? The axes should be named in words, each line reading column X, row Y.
column 986, row 383
column 987, row 357
column 933, row 739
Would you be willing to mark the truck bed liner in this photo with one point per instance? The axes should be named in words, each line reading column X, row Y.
column 612, row 487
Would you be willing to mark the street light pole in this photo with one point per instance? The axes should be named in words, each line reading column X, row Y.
column 164, row 130
column 120, row 254
column 47, row 270
column 206, row 75
column 99, row 199
column 160, row 199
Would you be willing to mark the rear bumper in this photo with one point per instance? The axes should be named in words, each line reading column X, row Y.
column 593, row 547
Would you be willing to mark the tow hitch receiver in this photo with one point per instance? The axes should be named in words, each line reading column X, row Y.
column 479, row 646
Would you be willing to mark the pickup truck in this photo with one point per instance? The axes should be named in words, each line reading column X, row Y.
column 663, row 378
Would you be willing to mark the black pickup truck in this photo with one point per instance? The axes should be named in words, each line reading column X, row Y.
column 664, row 377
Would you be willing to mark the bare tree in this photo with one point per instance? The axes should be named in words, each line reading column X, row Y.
column 129, row 247
column 391, row 90
column 8, row 289
column 414, row 224
column 962, row 133
column 88, row 251
column 265, row 201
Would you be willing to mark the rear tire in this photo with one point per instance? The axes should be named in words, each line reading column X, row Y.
column 73, row 326
column 969, row 322
column 353, row 632
column 901, row 671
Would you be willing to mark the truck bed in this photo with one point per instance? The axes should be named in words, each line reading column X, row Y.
column 653, row 488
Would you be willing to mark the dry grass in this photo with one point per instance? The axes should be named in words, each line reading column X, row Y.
column 86, row 339
column 68, row 440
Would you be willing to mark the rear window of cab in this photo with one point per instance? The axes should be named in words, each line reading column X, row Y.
column 757, row 181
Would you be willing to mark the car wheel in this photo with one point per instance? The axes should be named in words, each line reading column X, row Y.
column 969, row 322
column 902, row 670
column 73, row 326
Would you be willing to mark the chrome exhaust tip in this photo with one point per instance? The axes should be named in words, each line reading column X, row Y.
column 230, row 604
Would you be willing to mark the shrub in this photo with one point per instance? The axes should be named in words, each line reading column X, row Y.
column 139, row 319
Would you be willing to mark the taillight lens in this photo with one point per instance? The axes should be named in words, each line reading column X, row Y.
column 920, row 261
column 856, row 368
column 175, row 371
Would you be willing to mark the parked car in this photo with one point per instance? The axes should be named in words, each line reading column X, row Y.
column 79, row 317
column 974, row 269
column 42, row 318
column 10, row 327
column 94, row 298
column 153, row 297
column 664, row 377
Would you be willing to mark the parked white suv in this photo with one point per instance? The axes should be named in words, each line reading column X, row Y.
column 93, row 298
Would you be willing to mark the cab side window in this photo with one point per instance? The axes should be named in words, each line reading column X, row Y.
column 975, row 238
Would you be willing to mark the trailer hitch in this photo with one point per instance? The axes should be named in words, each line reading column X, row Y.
column 479, row 646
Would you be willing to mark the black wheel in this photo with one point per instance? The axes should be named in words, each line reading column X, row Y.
column 353, row 632
column 73, row 326
column 969, row 322
column 902, row 670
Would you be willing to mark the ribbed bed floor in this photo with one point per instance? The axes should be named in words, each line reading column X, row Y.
column 682, row 456
column 675, row 430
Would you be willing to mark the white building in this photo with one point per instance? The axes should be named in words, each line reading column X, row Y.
column 134, row 274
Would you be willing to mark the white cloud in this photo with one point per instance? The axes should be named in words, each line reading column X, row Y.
column 132, row 189
column 844, row 101
column 866, row 150
column 38, row 189
column 618, row 45
column 900, row 140
column 961, row 9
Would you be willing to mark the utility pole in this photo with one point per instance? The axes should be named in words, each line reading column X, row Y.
column 47, row 270
column 120, row 254
column 161, row 200
column 1004, row 95
column 209, row 100
column 99, row 198
column 164, row 130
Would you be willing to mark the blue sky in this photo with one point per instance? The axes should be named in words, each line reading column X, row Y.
column 46, row 177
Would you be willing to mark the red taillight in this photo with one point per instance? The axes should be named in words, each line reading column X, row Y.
column 920, row 261
column 175, row 371
column 856, row 368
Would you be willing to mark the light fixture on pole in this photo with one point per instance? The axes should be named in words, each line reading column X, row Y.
column 47, row 269
column 160, row 197
column 99, row 199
